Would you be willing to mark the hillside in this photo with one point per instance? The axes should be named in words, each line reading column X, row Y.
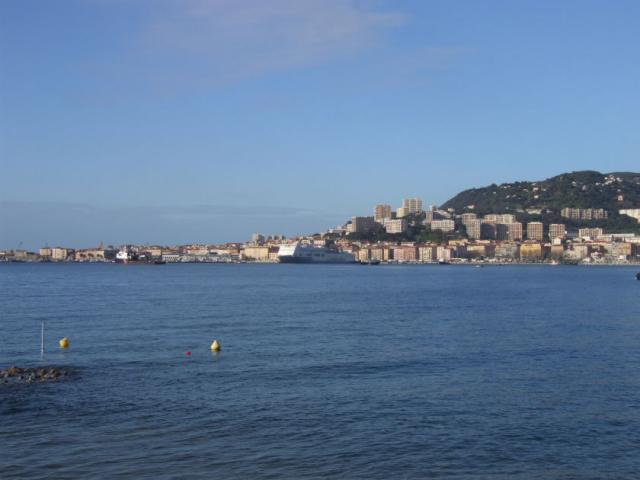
column 584, row 189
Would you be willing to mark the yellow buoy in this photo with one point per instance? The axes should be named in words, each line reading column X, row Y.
column 215, row 346
column 64, row 342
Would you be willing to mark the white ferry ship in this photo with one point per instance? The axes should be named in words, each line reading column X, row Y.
column 126, row 257
column 122, row 256
column 298, row 253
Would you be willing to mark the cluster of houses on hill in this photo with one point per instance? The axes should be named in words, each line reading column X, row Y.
column 466, row 237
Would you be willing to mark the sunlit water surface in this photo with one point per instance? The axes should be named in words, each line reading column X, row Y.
column 325, row 372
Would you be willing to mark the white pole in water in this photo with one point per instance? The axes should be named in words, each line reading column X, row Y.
column 42, row 341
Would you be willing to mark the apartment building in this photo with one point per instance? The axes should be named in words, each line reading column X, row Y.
column 507, row 251
column 428, row 253
column 412, row 205
column 531, row 251
column 591, row 233
column 381, row 212
column 480, row 250
column 498, row 218
column 405, row 253
column 535, row 231
column 631, row 212
column 256, row 253
column 488, row 230
column 557, row 230
column 466, row 217
column 445, row 254
column 364, row 255
column 59, row 254
column 362, row 225
column 443, row 225
column 509, row 231
column 396, row 225
column 584, row 213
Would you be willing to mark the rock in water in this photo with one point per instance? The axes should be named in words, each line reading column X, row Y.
column 14, row 375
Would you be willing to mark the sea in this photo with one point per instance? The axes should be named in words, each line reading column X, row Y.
column 325, row 372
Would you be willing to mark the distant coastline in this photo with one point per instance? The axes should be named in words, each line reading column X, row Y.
column 575, row 218
column 480, row 263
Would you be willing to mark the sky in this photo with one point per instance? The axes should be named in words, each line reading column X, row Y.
column 178, row 121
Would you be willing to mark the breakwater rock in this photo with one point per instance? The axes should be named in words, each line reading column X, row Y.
column 33, row 374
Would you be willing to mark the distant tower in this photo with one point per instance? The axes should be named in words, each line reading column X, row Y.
column 381, row 212
column 409, row 206
column 535, row 231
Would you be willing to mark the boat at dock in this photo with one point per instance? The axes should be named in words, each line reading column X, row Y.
column 126, row 256
column 299, row 253
column 122, row 256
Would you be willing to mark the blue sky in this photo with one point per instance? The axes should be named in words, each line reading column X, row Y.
column 167, row 121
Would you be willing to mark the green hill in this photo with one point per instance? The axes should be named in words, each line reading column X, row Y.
column 584, row 189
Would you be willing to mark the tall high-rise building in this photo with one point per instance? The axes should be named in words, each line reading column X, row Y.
column 488, row 230
column 465, row 217
column 557, row 230
column 380, row 212
column 412, row 205
column 509, row 231
column 472, row 225
column 535, row 231
column 474, row 228
column 515, row 231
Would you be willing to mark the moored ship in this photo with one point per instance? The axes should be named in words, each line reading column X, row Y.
column 299, row 253
column 125, row 256
column 122, row 256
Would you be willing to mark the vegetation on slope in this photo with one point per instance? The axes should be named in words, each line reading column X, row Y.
column 543, row 200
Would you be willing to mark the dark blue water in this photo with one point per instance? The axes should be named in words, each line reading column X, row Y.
column 325, row 372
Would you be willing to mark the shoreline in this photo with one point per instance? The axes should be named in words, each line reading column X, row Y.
column 381, row 264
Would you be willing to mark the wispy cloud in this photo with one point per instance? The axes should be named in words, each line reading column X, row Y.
column 232, row 38
column 200, row 44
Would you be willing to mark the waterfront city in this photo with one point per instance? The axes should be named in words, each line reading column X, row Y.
column 409, row 234
column 319, row 240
